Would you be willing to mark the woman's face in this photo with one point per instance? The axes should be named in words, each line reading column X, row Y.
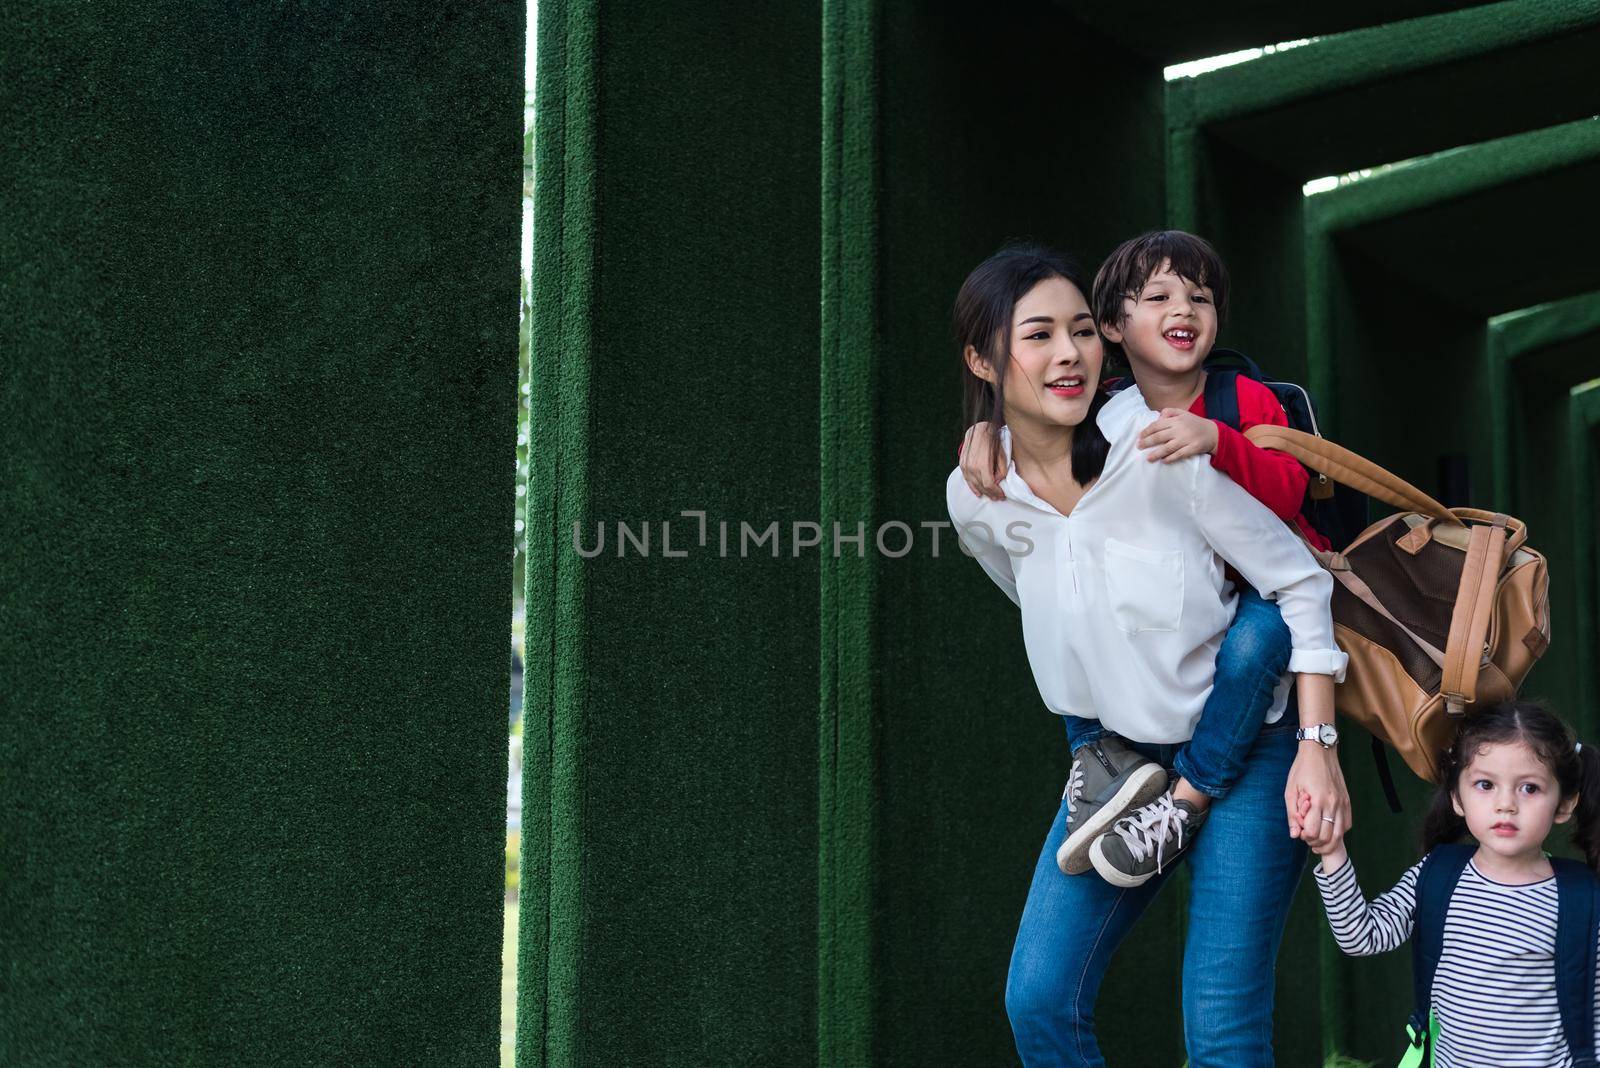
column 1055, row 357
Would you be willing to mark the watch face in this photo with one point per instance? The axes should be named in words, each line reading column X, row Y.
column 1326, row 734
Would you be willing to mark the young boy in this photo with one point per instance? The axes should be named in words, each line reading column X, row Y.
column 1160, row 297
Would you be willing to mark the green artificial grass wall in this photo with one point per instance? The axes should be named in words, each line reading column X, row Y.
column 672, row 731
column 1536, row 357
column 259, row 332
column 849, row 702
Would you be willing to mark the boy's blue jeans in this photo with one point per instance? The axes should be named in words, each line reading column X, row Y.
column 1254, row 656
column 1244, row 868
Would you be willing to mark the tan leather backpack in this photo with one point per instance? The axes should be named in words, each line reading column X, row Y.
column 1441, row 610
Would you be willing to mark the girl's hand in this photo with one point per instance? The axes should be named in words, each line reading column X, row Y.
column 1316, row 799
column 1332, row 854
column 1177, row 435
column 982, row 465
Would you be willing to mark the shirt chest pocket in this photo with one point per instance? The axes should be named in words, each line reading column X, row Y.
column 1144, row 587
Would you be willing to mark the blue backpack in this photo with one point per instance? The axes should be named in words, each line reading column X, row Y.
column 1577, row 931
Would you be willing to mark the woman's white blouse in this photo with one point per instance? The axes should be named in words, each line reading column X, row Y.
column 1125, row 602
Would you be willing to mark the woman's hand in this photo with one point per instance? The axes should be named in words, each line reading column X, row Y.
column 1332, row 851
column 1316, row 799
column 1177, row 435
column 982, row 464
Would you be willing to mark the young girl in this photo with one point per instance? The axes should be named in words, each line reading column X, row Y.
column 1515, row 771
column 1114, row 564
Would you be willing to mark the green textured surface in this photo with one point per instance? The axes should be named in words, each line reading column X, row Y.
column 848, row 724
column 1401, row 90
column 260, row 349
column 556, row 596
column 676, row 367
column 1536, row 356
column 1582, row 424
column 1167, row 31
column 1242, row 139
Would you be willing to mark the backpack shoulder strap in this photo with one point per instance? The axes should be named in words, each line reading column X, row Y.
column 1436, row 882
column 1576, row 935
column 1222, row 397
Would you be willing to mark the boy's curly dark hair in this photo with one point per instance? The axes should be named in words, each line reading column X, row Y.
column 1131, row 264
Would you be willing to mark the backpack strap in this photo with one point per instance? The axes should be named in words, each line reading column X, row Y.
column 1576, row 935
column 1351, row 469
column 1465, row 648
column 1222, row 359
column 1222, row 397
column 1380, row 760
column 1436, row 882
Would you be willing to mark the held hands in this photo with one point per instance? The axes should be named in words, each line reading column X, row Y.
column 1176, row 435
column 1318, row 803
column 982, row 464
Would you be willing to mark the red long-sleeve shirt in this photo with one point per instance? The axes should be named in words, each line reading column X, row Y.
column 1274, row 478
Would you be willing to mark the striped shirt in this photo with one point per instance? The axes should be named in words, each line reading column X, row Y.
column 1494, row 991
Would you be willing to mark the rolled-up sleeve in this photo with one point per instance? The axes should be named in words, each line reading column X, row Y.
column 1274, row 560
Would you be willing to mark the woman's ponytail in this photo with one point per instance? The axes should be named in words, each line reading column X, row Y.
column 1586, row 817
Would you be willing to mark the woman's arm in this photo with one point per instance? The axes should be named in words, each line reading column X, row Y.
column 980, row 529
column 1277, row 563
column 1274, row 560
column 1360, row 928
column 1315, row 795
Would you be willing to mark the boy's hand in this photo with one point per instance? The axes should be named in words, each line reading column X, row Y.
column 982, row 465
column 1178, row 434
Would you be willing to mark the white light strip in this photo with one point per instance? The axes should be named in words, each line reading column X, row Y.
column 1197, row 67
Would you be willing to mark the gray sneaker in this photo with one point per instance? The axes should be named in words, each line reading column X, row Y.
column 1146, row 842
column 1108, row 781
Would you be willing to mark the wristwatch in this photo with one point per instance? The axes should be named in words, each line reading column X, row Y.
column 1324, row 734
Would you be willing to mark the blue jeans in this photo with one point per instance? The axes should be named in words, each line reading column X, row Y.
column 1254, row 656
column 1244, row 868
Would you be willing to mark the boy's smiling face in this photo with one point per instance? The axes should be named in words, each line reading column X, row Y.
column 1168, row 326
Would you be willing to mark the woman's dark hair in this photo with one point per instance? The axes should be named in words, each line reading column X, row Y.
column 1577, row 772
column 983, row 311
column 1132, row 263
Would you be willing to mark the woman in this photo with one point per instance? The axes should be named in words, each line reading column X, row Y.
column 1115, row 565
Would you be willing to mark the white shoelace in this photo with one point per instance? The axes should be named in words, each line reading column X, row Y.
column 1074, row 791
column 1147, row 829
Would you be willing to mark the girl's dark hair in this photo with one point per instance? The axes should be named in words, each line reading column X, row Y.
column 982, row 315
column 1577, row 772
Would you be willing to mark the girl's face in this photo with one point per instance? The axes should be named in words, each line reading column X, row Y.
column 1510, row 800
column 1055, row 357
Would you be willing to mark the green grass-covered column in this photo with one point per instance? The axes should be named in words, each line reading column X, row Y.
column 554, row 702
column 1583, row 419
column 671, row 789
column 259, row 335
column 850, row 349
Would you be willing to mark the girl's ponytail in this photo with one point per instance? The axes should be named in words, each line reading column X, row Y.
column 1441, row 825
column 1586, row 817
